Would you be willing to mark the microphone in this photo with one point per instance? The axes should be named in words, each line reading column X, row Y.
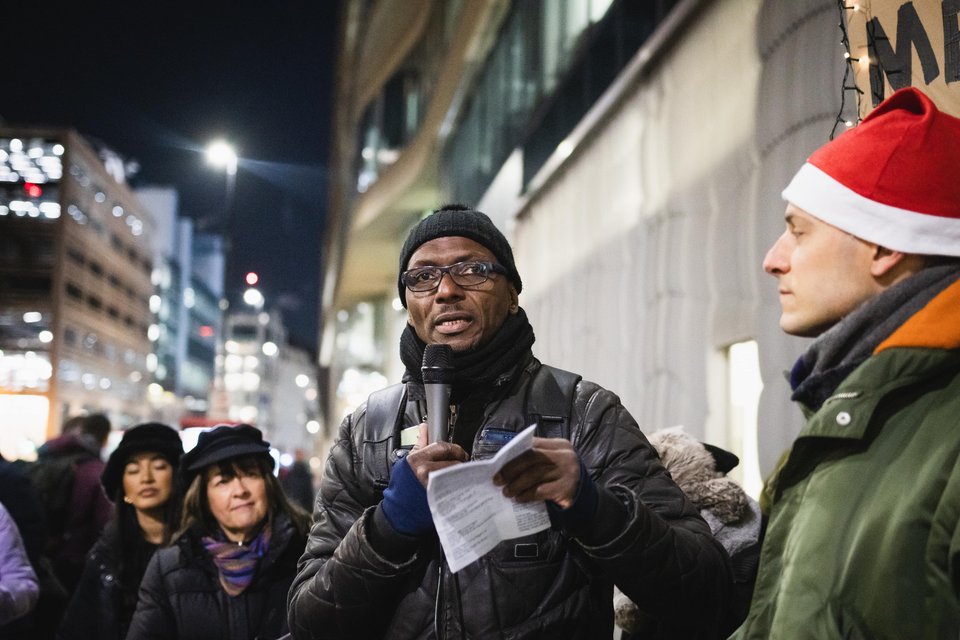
column 437, row 373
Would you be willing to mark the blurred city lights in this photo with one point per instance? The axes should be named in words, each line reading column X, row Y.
column 253, row 297
column 252, row 278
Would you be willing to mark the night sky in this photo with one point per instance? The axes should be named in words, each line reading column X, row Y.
column 157, row 81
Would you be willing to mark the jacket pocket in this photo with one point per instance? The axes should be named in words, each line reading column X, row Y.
column 490, row 441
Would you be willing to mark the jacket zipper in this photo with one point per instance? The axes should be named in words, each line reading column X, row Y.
column 451, row 422
column 843, row 395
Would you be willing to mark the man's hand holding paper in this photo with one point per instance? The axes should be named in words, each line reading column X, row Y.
column 472, row 514
column 549, row 470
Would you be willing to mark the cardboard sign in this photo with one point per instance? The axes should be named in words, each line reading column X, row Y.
column 895, row 44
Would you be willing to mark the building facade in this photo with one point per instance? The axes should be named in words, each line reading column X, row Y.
column 187, row 307
column 75, row 286
column 633, row 153
column 263, row 380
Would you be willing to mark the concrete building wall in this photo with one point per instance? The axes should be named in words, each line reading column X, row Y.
column 641, row 254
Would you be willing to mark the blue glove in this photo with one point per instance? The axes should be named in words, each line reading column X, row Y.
column 405, row 502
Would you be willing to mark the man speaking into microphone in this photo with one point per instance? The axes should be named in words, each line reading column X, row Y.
column 373, row 566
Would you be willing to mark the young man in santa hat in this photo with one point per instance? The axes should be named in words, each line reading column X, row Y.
column 864, row 530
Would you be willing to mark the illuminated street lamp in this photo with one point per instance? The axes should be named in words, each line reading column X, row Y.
column 221, row 154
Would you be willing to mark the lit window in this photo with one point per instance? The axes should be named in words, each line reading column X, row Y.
column 744, row 385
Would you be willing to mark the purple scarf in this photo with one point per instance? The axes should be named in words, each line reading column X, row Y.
column 237, row 563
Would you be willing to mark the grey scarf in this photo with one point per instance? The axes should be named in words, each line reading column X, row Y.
column 842, row 348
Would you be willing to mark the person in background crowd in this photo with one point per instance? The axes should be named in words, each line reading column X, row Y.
column 227, row 573
column 140, row 478
column 18, row 583
column 374, row 567
column 297, row 481
column 864, row 529
column 700, row 470
column 21, row 501
column 67, row 478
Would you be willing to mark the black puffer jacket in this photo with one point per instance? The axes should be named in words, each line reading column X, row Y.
column 97, row 610
column 663, row 557
column 181, row 597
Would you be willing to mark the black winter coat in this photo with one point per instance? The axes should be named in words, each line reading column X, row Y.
column 547, row 585
column 96, row 610
column 181, row 597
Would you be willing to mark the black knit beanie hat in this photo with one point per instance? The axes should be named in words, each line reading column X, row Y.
column 459, row 220
column 150, row 436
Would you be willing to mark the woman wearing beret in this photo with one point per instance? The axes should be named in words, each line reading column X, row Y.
column 140, row 478
column 227, row 573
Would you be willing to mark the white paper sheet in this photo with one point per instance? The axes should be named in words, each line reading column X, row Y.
column 471, row 514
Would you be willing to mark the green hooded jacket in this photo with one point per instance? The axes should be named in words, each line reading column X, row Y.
column 864, row 531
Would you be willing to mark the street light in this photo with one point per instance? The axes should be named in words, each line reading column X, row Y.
column 221, row 154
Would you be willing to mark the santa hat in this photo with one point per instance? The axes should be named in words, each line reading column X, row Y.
column 894, row 180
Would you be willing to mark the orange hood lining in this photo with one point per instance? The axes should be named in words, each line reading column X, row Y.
column 936, row 325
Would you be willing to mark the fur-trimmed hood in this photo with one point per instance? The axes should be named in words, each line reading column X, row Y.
column 694, row 469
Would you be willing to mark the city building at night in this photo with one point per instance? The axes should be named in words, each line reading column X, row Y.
column 263, row 380
column 75, row 286
column 188, row 276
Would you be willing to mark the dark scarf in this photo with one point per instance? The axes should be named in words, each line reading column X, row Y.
column 841, row 349
column 479, row 368
column 237, row 563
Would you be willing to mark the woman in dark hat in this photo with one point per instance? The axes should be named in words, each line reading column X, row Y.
column 140, row 478
column 227, row 573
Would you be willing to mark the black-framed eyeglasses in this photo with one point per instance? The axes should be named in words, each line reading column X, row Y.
column 465, row 274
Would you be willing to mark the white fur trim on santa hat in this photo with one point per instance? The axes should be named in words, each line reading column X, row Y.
column 823, row 197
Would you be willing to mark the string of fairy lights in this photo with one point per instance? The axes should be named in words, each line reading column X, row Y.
column 847, row 86
column 872, row 64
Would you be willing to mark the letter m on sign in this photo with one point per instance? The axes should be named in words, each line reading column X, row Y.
column 897, row 63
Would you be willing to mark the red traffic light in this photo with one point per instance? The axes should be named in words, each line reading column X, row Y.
column 252, row 278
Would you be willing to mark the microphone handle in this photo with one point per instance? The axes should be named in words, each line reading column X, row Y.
column 438, row 411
